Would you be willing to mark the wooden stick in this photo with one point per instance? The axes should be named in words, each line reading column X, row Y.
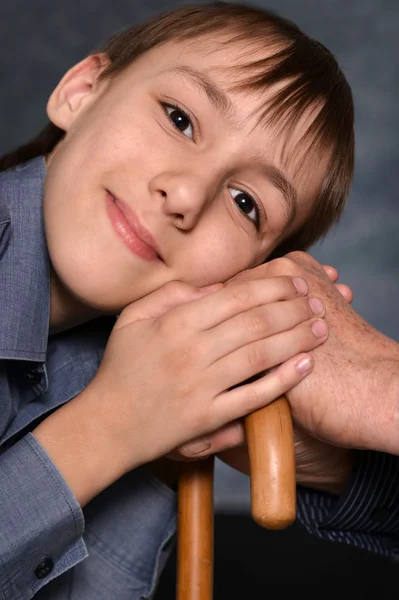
column 195, row 531
column 270, row 440
column 273, row 496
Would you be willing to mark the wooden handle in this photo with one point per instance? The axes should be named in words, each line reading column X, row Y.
column 270, row 439
column 271, row 451
column 195, row 531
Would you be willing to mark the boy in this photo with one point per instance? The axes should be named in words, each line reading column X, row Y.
column 191, row 148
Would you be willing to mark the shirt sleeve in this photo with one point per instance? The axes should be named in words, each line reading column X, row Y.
column 42, row 523
column 366, row 515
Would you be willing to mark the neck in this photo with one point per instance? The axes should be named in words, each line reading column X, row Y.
column 66, row 311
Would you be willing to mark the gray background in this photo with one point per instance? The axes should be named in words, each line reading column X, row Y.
column 40, row 39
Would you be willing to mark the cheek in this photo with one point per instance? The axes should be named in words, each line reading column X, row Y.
column 113, row 136
column 215, row 260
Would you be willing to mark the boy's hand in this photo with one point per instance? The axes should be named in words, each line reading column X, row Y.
column 171, row 372
column 171, row 377
column 232, row 434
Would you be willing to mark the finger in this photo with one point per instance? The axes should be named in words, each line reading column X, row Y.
column 169, row 296
column 235, row 298
column 260, row 322
column 267, row 269
column 345, row 290
column 229, row 436
column 331, row 272
column 253, row 359
column 243, row 400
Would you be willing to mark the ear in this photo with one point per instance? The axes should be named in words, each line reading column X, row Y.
column 77, row 88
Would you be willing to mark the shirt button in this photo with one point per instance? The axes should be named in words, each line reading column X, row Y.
column 35, row 375
column 45, row 568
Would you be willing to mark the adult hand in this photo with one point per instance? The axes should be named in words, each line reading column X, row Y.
column 318, row 465
column 351, row 398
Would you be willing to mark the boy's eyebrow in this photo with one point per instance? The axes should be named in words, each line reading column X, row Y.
column 219, row 99
column 216, row 96
column 277, row 178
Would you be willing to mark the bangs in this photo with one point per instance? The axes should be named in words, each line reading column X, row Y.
column 301, row 93
column 304, row 92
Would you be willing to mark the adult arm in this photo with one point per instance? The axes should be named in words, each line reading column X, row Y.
column 366, row 514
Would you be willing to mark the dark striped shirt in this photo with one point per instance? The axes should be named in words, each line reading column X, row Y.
column 366, row 515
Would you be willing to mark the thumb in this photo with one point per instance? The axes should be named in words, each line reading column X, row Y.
column 157, row 303
column 228, row 436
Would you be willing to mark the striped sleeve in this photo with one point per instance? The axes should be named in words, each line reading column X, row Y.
column 366, row 515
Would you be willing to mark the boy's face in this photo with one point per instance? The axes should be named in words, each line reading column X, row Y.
column 167, row 147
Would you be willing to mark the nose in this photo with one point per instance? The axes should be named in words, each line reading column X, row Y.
column 183, row 197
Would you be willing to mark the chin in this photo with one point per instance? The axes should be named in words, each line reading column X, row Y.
column 83, row 292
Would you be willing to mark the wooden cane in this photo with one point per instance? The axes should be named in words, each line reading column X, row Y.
column 195, row 531
column 271, row 452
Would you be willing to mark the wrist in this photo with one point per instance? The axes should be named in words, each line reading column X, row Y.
column 75, row 440
column 383, row 405
column 334, row 476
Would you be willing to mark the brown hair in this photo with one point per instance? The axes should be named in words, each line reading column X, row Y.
column 310, row 75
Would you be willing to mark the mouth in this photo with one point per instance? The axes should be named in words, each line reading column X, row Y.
column 128, row 227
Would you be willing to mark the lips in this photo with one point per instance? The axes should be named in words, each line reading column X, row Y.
column 130, row 230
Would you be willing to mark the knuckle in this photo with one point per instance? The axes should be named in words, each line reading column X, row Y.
column 172, row 323
column 256, row 357
column 297, row 255
column 284, row 266
column 176, row 290
column 253, row 396
column 256, row 323
column 242, row 293
column 305, row 262
column 281, row 376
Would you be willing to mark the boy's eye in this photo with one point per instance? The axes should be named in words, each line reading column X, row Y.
column 246, row 204
column 180, row 120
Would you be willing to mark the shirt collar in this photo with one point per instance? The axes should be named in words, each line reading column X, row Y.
column 24, row 264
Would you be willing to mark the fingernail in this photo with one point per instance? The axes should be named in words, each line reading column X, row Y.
column 316, row 305
column 319, row 328
column 300, row 285
column 196, row 447
column 304, row 364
